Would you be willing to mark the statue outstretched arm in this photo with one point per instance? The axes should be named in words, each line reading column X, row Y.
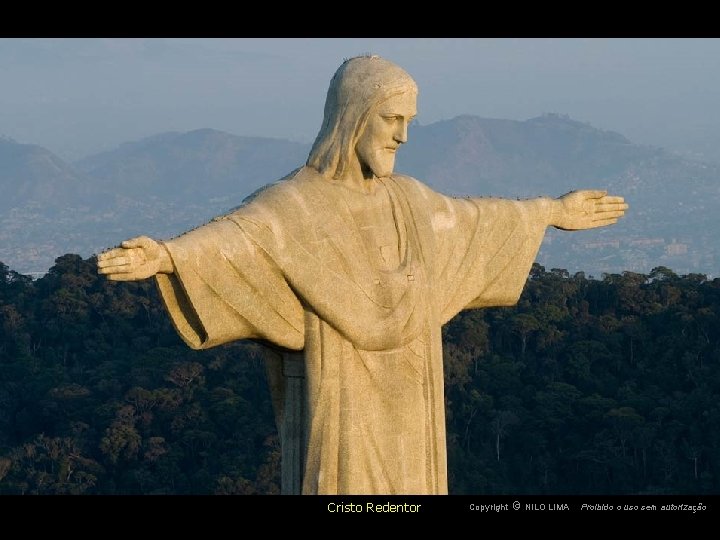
column 135, row 259
column 586, row 209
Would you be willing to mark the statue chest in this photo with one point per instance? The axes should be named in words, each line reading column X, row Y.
column 376, row 222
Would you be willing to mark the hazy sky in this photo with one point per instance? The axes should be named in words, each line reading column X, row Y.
column 80, row 96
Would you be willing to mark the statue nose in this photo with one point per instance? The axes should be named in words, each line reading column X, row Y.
column 401, row 133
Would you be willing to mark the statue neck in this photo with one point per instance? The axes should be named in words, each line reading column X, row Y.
column 359, row 178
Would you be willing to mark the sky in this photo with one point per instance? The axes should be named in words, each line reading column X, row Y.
column 79, row 96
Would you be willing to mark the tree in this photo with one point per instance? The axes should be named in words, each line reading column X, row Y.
column 500, row 424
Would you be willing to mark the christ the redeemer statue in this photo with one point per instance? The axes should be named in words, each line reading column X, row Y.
column 358, row 267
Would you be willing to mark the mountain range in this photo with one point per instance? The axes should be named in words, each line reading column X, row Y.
column 168, row 183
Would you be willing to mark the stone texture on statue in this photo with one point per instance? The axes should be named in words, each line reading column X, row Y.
column 358, row 268
column 371, row 335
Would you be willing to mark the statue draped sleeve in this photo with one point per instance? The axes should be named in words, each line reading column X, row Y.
column 483, row 248
column 226, row 287
column 229, row 285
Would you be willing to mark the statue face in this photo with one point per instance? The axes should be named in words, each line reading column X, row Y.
column 385, row 131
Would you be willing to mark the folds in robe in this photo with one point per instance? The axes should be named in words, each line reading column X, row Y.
column 291, row 268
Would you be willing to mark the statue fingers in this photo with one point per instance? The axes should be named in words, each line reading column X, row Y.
column 594, row 193
column 143, row 242
column 111, row 253
column 130, row 276
column 611, row 207
column 110, row 262
column 604, row 222
column 119, row 260
column 601, row 216
column 123, row 269
column 131, row 242
column 612, row 199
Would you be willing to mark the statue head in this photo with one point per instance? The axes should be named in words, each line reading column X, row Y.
column 368, row 105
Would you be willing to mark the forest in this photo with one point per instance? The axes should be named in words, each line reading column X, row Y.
column 588, row 386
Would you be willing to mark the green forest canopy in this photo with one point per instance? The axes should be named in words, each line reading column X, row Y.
column 587, row 386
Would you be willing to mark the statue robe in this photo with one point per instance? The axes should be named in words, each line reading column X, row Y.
column 291, row 267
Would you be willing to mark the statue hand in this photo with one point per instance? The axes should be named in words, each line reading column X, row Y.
column 137, row 258
column 587, row 209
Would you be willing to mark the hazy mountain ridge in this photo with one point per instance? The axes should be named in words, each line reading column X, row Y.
column 203, row 164
column 46, row 205
column 30, row 173
column 550, row 153
column 167, row 183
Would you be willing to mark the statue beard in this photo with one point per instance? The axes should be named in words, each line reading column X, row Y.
column 382, row 163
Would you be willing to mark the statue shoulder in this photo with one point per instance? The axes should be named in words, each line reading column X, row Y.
column 271, row 191
column 404, row 179
column 413, row 186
